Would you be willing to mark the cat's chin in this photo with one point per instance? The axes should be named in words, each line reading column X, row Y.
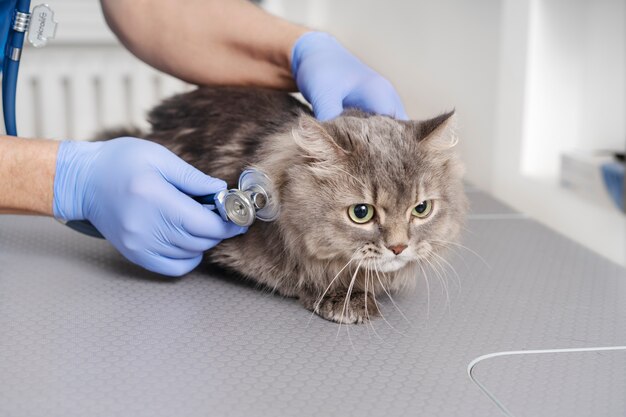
column 391, row 265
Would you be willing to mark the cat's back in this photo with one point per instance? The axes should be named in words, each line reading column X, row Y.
column 221, row 128
column 228, row 108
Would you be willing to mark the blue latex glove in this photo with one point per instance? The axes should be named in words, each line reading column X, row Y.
column 134, row 192
column 331, row 79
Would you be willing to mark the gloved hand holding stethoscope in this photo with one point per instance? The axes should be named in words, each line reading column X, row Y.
column 136, row 193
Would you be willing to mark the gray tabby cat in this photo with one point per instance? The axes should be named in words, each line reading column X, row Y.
column 364, row 199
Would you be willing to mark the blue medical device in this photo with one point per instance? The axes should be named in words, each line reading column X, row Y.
column 253, row 199
column 16, row 21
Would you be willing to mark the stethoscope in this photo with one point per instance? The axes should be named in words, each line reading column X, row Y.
column 253, row 199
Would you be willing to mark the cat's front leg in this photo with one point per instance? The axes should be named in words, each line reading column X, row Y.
column 358, row 308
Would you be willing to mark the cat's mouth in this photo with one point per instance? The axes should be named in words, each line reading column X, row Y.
column 376, row 259
column 383, row 264
column 392, row 265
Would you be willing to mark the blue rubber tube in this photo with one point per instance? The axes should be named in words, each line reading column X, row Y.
column 15, row 40
column 9, row 88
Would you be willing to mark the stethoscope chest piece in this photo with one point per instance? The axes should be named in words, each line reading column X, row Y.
column 253, row 199
column 261, row 191
column 236, row 206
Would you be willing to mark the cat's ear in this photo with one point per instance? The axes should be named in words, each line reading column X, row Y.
column 312, row 137
column 438, row 133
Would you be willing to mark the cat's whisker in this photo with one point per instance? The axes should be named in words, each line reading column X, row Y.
column 444, row 278
column 427, row 290
column 440, row 267
column 440, row 271
column 428, row 262
column 317, row 304
column 368, row 274
column 433, row 268
column 365, row 300
column 451, row 248
column 345, row 305
column 449, row 265
column 464, row 247
column 391, row 299
column 378, row 307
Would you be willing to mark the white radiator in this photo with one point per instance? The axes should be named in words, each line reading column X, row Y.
column 72, row 92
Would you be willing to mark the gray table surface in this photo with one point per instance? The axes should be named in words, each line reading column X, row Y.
column 85, row 333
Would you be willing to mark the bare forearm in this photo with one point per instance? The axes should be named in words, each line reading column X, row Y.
column 226, row 42
column 26, row 175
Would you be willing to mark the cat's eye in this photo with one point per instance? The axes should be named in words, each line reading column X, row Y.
column 361, row 213
column 423, row 209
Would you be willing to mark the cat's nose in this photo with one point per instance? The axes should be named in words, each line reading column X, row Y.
column 397, row 249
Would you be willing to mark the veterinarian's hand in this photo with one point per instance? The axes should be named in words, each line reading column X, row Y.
column 135, row 193
column 331, row 79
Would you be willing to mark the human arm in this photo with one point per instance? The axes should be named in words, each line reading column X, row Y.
column 217, row 42
column 26, row 175
column 206, row 42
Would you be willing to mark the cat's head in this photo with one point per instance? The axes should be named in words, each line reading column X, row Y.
column 383, row 192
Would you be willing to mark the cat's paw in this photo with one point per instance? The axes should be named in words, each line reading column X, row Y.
column 358, row 308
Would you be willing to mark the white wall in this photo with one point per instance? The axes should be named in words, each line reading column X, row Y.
column 604, row 77
column 576, row 82
column 562, row 76
column 439, row 55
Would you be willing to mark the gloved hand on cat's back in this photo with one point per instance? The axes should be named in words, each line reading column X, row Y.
column 136, row 193
column 332, row 79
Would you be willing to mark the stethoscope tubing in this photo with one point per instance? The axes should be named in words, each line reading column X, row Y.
column 12, row 55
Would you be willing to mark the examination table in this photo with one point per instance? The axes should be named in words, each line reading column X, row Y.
column 85, row 333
